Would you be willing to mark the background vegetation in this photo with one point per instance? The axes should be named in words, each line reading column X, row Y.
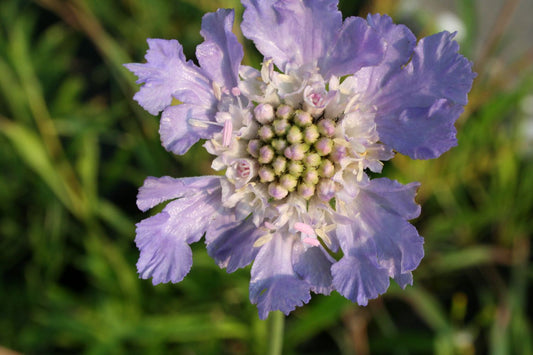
column 74, row 148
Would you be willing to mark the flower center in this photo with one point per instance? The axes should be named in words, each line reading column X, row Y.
column 295, row 152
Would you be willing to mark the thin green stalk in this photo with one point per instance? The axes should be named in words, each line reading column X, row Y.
column 275, row 328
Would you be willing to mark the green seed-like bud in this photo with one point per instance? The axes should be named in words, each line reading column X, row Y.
column 306, row 190
column 279, row 164
column 324, row 146
column 266, row 174
column 296, row 151
column 295, row 168
column 277, row 191
column 253, row 147
column 265, row 133
column 266, row 154
column 310, row 177
column 302, row 118
column 288, row 182
column 311, row 134
column 281, row 127
column 294, row 135
column 327, row 169
column 326, row 127
column 312, row 160
column 279, row 145
column 284, row 111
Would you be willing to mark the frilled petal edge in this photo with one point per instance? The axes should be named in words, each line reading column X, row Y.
column 183, row 125
column 163, row 239
column 274, row 284
column 221, row 53
column 417, row 107
column 167, row 75
column 291, row 32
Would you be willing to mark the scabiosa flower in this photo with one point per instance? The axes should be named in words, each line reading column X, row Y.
column 333, row 100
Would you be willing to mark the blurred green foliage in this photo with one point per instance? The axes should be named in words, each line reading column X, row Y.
column 75, row 147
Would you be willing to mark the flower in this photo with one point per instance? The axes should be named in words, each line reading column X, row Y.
column 333, row 100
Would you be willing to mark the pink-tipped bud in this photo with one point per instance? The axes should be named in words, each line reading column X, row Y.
column 306, row 190
column 279, row 145
column 294, row 135
column 311, row 134
column 264, row 113
column 339, row 153
column 266, row 154
column 284, row 111
column 312, row 160
column 327, row 169
column 310, row 176
column 279, row 164
column 281, row 127
column 288, row 182
column 295, row 168
column 324, row 146
column 266, row 174
column 253, row 147
column 277, row 191
column 326, row 189
column 303, row 118
column 296, row 151
column 265, row 133
column 326, row 127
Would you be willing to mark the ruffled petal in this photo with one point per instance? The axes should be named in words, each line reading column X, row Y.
column 163, row 257
column 221, row 53
column 163, row 239
column 231, row 244
column 167, row 75
column 357, row 45
column 418, row 106
column 313, row 264
column 157, row 190
column 274, row 284
column 183, row 125
column 400, row 43
column 358, row 276
column 383, row 207
column 291, row 31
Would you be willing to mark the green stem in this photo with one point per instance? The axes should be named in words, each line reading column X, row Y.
column 275, row 328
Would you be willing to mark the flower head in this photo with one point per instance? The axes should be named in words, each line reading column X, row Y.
column 332, row 100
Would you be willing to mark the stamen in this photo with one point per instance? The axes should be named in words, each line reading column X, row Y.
column 226, row 133
column 202, row 124
column 263, row 240
column 311, row 241
column 304, row 228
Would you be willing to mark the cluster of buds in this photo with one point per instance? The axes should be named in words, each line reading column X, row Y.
column 295, row 152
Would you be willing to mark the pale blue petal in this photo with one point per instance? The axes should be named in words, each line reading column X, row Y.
column 177, row 132
column 400, row 43
column 359, row 278
column 418, row 106
column 167, row 75
column 291, row 31
column 404, row 279
column 313, row 264
column 383, row 207
column 163, row 239
column 357, row 45
column 163, row 257
column 358, row 275
column 157, row 190
column 274, row 284
column 221, row 53
column 231, row 243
